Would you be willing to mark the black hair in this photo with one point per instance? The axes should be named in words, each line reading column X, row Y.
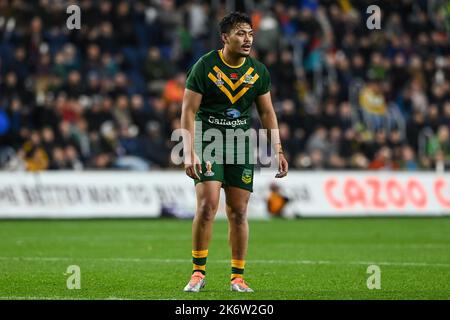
column 232, row 19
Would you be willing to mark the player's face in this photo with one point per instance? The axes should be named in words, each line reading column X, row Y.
column 240, row 39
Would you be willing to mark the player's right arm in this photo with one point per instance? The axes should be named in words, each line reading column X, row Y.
column 190, row 106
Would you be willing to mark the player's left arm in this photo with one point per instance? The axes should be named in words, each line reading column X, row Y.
column 270, row 123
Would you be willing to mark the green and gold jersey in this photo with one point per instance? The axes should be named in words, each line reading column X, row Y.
column 228, row 91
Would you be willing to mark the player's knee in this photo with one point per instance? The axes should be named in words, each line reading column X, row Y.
column 207, row 211
column 238, row 216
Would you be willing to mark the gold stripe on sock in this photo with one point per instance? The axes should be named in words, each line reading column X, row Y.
column 197, row 267
column 240, row 264
column 199, row 253
column 236, row 275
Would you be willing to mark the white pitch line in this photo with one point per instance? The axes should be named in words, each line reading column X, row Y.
column 306, row 262
column 26, row 239
column 55, row 298
column 72, row 298
column 38, row 298
column 386, row 263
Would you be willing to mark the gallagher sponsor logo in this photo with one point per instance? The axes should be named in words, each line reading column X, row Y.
column 232, row 113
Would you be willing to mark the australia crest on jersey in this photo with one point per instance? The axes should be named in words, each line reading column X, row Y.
column 219, row 81
column 248, row 80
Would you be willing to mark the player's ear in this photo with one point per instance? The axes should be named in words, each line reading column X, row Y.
column 224, row 37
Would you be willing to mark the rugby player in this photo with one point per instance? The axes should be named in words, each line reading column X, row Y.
column 220, row 90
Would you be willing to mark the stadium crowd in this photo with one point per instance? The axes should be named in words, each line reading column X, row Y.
column 109, row 95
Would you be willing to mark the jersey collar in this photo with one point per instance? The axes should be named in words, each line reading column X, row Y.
column 227, row 64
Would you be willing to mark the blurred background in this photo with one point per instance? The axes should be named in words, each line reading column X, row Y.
column 108, row 96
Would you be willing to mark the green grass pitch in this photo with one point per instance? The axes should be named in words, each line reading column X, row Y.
column 287, row 259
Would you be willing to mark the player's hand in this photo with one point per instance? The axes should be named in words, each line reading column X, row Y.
column 192, row 166
column 283, row 166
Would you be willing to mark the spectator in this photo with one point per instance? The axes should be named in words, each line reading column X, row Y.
column 66, row 136
column 174, row 89
column 267, row 30
column 335, row 141
column 72, row 158
column 157, row 70
column 58, row 160
column 432, row 118
column 414, row 128
column 373, row 105
column 123, row 23
column 286, row 75
column 276, row 202
column 408, row 162
column 440, row 143
column 155, row 149
column 317, row 159
column 73, row 88
column 359, row 161
column 121, row 112
column 318, row 141
column 33, row 154
column 48, row 140
column 383, row 160
column 329, row 117
column 445, row 118
column 139, row 114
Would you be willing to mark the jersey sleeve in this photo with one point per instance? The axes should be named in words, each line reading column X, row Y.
column 265, row 81
column 195, row 80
